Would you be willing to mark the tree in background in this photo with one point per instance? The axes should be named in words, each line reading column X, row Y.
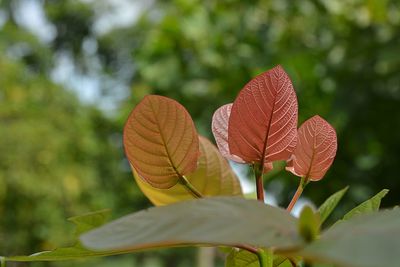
column 343, row 57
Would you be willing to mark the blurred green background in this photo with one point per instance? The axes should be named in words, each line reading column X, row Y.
column 71, row 71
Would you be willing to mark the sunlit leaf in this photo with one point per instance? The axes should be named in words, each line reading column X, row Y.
column 330, row 203
column 367, row 206
column 368, row 240
column 210, row 221
column 315, row 150
column 244, row 258
column 263, row 120
column 212, row 177
column 241, row 258
column 219, row 128
column 161, row 141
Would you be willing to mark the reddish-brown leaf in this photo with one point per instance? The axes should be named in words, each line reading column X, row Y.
column 219, row 128
column 161, row 141
column 263, row 120
column 315, row 150
column 213, row 177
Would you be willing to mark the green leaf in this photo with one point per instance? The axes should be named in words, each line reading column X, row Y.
column 210, row 221
column 83, row 223
column 368, row 206
column 244, row 258
column 89, row 221
column 241, row 258
column 330, row 203
column 367, row 240
column 309, row 223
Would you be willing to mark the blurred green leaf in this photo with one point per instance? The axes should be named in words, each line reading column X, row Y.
column 309, row 224
column 367, row 206
column 82, row 223
column 330, row 203
column 213, row 221
column 367, row 240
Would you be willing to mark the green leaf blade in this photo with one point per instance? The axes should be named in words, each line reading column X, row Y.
column 330, row 204
column 367, row 206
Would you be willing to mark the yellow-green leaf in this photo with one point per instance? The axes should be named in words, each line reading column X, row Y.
column 309, row 223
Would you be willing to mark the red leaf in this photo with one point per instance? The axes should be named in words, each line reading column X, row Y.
column 161, row 141
column 263, row 121
column 315, row 151
column 220, row 130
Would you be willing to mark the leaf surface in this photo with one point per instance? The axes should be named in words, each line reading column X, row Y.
column 161, row 141
column 315, row 150
column 368, row 240
column 210, row 221
column 219, row 126
column 367, row 206
column 212, row 177
column 330, row 203
column 244, row 258
column 309, row 224
column 263, row 119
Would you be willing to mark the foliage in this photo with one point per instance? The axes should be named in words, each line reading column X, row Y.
column 162, row 146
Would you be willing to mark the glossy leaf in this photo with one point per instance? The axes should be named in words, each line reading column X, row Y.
column 210, row 221
column 82, row 223
column 368, row 240
column 263, row 120
column 367, row 206
column 212, row 177
column 219, row 128
column 161, row 141
column 315, row 150
column 330, row 203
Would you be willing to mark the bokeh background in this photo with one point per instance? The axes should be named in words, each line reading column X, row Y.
column 71, row 71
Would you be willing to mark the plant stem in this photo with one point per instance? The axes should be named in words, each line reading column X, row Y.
column 189, row 187
column 2, row 261
column 258, row 170
column 265, row 258
column 300, row 188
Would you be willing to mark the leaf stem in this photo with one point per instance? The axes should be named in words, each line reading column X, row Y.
column 258, row 170
column 300, row 188
column 2, row 261
column 189, row 187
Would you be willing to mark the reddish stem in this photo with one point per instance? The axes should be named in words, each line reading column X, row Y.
column 260, row 187
column 300, row 188
column 258, row 174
